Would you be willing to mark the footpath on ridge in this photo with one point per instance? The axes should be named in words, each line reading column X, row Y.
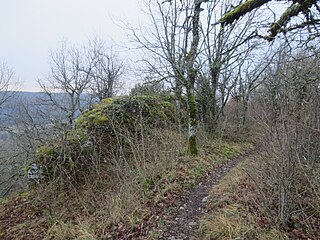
column 182, row 220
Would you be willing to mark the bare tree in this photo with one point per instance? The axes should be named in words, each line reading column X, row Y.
column 106, row 70
column 290, row 96
column 220, row 54
column 192, row 74
column 174, row 45
column 7, row 79
column 224, row 53
column 8, row 86
column 309, row 10
column 80, row 74
column 69, row 77
column 252, row 73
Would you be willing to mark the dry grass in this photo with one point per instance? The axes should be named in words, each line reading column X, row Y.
column 119, row 194
column 113, row 195
column 233, row 211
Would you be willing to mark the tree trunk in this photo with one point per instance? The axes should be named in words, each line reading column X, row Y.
column 191, row 79
column 214, row 115
column 244, row 111
column 192, row 118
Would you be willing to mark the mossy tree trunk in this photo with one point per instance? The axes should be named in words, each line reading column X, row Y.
column 192, row 116
column 191, row 77
column 178, row 93
column 215, row 67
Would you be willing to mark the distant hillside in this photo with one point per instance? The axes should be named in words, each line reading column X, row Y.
column 10, row 107
column 33, row 103
column 32, row 106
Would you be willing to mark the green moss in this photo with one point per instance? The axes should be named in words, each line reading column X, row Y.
column 229, row 152
column 193, row 150
column 130, row 111
column 107, row 101
column 147, row 185
column 98, row 118
column 279, row 26
column 78, row 136
column 241, row 10
column 167, row 104
column 44, row 153
column 106, row 123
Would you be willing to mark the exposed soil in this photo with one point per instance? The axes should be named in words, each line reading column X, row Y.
column 182, row 219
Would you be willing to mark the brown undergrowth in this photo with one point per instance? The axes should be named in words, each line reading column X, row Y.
column 232, row 210
column 237, row 211
column 121, row 201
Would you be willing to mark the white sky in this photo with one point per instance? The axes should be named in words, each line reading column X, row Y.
column 30, row 28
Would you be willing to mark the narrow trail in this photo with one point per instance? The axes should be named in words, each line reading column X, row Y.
column 183, row 220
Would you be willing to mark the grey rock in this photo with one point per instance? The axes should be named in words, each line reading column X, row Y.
column 192, row 224
column 205, row 199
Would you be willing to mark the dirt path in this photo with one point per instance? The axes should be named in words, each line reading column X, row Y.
column 182, row 220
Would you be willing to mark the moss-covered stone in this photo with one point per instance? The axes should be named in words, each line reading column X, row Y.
column 99, row 130
column 128, row 112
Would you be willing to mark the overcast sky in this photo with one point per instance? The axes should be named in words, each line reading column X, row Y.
column 30, row 28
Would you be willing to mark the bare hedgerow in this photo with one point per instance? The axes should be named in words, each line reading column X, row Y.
column 289, row 111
